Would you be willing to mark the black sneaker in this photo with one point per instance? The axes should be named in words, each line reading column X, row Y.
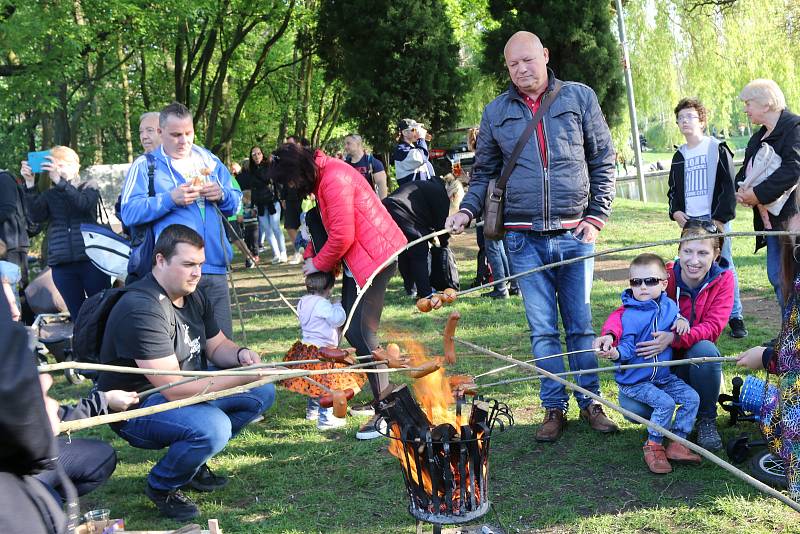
column 172, row 503
column 707, row 435
column 372, row 429
column 205, row 480
column 497, row 294
column 738, row 329
column 513, row 291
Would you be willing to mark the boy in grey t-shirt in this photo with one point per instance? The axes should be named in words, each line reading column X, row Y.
column 701, row 187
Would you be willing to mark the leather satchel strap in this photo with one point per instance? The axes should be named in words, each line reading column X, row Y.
column 548, row 99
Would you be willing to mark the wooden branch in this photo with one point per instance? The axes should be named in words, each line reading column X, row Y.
column 80, row 424
column 760, row 486
column 625, row 249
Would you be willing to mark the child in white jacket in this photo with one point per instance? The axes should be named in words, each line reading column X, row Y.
column 320, row 323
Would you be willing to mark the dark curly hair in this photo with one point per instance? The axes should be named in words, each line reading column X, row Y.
column 294, row 167
column 695, row 104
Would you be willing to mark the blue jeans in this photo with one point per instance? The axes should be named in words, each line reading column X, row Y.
column 194, row 434
column 565, row 289
column 270, row 225
column 774, row 267
column 77, row 281
column 662, row 396
column 727, row 253
column 496, row 256
column 215, row 288
column 705, row 379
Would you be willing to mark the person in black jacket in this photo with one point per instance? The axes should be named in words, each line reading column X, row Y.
column 765, row 104
column 701, row 188
column 28, row 443
column 418, row 208
column 64, row 207
column 88, row 463
column 265, row 197
column 13, row 226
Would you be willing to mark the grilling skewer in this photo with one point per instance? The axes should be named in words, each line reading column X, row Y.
column 540, row 358
column 649, row 424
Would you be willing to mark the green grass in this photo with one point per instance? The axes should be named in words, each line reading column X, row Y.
column 288, row 478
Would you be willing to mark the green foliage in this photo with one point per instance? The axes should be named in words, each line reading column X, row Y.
column 678, row 49
column 397, row 58
column 578, row 35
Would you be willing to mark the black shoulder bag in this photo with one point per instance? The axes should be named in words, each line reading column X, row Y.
column 493, row 204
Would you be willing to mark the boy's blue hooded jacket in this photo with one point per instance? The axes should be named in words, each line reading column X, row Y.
column 160, row 210
column 639, row 321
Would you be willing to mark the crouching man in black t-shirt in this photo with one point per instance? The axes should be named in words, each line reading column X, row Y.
column 166, row 324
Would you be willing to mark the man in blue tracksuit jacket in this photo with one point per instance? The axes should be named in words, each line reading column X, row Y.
column 187, row 180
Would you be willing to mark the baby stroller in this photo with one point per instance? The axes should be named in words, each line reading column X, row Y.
column 53, row 333
column 744, row 404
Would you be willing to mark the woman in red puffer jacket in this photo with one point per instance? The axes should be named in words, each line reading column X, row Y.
column 360, row 233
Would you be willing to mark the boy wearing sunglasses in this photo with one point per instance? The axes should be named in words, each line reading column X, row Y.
column 646, row 309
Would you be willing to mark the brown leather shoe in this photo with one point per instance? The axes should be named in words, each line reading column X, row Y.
column 682, row 454
column 655, row 459
column 553, row 425
column 597, row 418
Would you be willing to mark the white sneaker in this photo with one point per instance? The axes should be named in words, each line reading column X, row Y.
column 276, row 260
column 362, row 410
column 296, row 259
column 331, row 423
column 283, row 258
column 312, row 409
column 328, row 421
column 372, row 429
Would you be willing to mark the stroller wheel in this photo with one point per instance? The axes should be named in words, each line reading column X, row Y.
column 738, row 449
column 768, row 468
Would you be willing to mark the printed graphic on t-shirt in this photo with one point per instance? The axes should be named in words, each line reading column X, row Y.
column 696, row 176
column 193, row 345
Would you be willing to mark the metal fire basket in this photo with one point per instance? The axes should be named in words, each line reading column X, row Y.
column 445, row 470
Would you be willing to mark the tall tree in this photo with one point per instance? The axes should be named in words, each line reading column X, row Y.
column 396, row 59
column 577, row 34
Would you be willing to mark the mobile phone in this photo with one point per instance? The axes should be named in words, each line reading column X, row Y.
column 36, row 159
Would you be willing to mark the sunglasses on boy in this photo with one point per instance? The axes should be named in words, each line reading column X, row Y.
column 708, row 226
column 651, row 281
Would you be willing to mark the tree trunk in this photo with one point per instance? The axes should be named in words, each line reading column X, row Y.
column 143, row 81
column 126, row 105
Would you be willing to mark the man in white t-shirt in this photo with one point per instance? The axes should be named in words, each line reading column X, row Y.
column 701, row 187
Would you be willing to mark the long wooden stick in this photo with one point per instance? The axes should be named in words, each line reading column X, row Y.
column 540, row 358
column 280, row 374
column 624, row 249
column 610, row 368
column 380, row 269
column 80, row 424
column 658, row 428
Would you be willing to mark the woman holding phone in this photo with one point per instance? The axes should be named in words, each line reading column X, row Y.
column 64, row 206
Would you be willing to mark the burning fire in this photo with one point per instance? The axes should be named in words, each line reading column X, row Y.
column 435, row 396
column 432, row 391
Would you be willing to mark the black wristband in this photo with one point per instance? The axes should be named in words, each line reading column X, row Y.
column 238, row 352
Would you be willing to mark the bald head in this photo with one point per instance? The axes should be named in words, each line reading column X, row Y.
column 525, row 39
column 526, row 60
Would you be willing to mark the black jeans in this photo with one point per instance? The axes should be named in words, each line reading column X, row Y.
column 414, row 266
column 88, row 463
column 363, row 331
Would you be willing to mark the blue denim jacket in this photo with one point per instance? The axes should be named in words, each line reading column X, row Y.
column 578, row 180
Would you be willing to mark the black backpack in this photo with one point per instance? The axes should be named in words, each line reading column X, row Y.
column 90, row 325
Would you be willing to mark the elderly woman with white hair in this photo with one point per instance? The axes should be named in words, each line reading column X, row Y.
column 775, row 145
